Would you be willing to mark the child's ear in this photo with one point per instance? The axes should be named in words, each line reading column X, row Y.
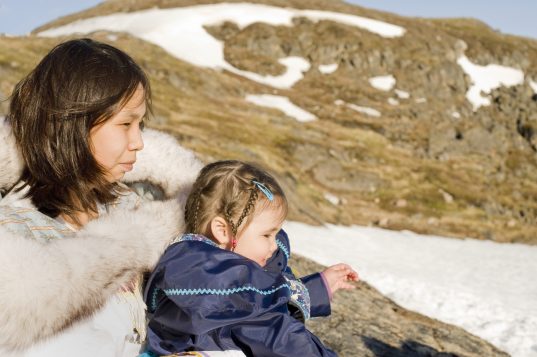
column 220, row 230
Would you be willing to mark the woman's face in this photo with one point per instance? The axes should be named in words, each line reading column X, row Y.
column 115, row 142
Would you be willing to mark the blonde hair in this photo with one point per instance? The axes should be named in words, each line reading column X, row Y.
column 227, row 189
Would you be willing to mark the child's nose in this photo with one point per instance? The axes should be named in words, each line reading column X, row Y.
column 273, row 245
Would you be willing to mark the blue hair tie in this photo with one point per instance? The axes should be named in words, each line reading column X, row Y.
column 264, row 189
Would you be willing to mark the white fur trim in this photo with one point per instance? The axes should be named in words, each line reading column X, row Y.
column 45, row 288
column 165, row 163
column 10, row 159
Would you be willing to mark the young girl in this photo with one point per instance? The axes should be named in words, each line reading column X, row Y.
column 223, row 286
column 73, row 239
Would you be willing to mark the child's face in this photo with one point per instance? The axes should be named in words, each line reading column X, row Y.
column 115, row 142
column 258, row 240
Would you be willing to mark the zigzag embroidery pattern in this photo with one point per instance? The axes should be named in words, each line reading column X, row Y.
column 176, row 292
column 283, row 248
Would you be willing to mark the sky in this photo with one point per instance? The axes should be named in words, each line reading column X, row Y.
column 515, row 17
column 19, row 17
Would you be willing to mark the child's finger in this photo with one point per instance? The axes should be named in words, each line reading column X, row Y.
column 353, row 276
column 347, row 286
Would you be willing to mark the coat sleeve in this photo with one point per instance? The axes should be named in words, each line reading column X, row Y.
column 318, row 292
column 46, row 287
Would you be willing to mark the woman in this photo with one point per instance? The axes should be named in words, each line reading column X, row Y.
column 74, row 240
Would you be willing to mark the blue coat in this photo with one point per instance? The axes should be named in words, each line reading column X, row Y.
column 203, row 298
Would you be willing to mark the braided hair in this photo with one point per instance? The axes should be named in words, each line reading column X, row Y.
column 228, row 189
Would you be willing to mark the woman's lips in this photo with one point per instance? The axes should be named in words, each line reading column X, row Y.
column 128, row 166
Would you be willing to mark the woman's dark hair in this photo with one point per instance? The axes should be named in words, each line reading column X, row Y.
column 228, row 189
column 79, row 84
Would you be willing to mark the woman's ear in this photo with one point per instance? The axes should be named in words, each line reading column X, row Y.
column 220, row 230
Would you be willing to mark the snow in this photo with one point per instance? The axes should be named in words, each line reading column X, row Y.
column 385, row 83
column 421, row 100
column 456, row 115
column 486, row 78
column 402, row 94
column 283, row 104
column 484, row 287
column 393, row 101
column 533, row 86
column 328, row 68
column 295, row 67
column 339, row 102
column 333, row 199
column 180, row 31
column 365, row 110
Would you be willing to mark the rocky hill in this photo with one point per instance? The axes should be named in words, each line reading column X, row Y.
column 417, row 155
column 392, row 140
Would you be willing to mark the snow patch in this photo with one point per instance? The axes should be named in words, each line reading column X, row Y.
column 486, row 78
column 294, row 73
column 365, row 110
column 421, row 100
column 283, row 104
column 402, row 94
column 533, row 86
column 485, row 287
column 385, row 83
column 328, row 68
column 180, row 31
column 456, row 115
column 393, row 101
column 332, row 199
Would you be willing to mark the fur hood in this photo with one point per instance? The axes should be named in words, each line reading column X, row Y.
column 45, row 288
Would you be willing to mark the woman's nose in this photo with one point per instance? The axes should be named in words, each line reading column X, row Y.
column 136, row 142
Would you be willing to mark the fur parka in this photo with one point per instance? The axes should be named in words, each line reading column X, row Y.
column 46, row 288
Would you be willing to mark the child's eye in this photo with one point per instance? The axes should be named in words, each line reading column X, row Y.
column 126, row 124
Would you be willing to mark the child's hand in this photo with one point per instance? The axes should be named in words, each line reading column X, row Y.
column 338, row 277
